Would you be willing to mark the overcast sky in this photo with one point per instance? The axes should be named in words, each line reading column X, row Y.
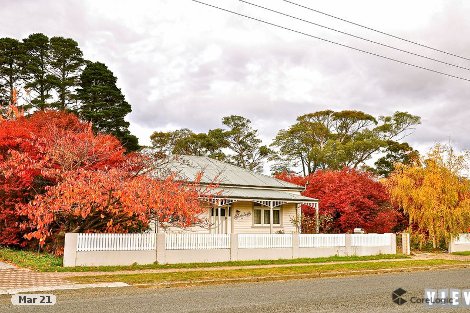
column 182, row 64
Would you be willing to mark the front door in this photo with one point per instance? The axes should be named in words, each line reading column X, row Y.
column 220, row 220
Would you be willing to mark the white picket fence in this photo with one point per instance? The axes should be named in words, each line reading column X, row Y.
column 462, row 239
column 136, row 242
column 172, row 248
column 116, row 242
column 371, row 240
column 197, row 241
column 253, row 241
column 322, row 240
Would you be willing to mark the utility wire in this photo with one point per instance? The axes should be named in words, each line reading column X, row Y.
column 332, row 42
column 377, row 31
column 355, row 36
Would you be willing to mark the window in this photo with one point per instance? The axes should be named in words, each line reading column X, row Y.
column 261, row 216
column 257, row 216
column 215, row 211
column 276, row 217
column 266, row 219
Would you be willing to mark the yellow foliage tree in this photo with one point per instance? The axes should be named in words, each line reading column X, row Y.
column 434, row 193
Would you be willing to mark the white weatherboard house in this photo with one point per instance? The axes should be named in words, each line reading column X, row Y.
column 245, row 217
column 245, row 202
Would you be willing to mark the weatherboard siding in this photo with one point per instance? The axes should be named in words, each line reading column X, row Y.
column 244, row 223
column 243, row 211
column 288, row 215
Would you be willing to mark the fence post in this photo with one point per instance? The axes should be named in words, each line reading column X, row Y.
column 393, row 240
column 405, row 243
column 348, row 244
column 295, row 245
column 70, row 250
column 233, row 247
column 160, row 245
column 451, row 244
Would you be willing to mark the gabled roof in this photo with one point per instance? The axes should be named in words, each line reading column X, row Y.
column 188, row 166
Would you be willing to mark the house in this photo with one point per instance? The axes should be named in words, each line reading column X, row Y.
column 244, row 201
column 244, row 213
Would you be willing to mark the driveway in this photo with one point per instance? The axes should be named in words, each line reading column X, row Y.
column 4, row 266
column 13, row 278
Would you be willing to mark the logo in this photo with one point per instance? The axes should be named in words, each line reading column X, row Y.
column 449, row 297
column 397, row 296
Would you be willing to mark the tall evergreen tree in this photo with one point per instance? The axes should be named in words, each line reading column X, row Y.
column 334, row 140
column 11, row 61
column 38, row 78
column 103, row 103
column 394, row 153
column 238, row 143
column 244, row 142
column 185, row 141
column 66, row 60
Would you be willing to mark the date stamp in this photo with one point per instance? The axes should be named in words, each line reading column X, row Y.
column 33, row 299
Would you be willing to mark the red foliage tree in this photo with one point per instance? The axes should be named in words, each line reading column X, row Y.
column 57, row 176
column 348, row 199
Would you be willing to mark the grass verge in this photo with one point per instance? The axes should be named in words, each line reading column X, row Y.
column 464, row 253
column 49, row 263
column 30, row 259
column 278, row 273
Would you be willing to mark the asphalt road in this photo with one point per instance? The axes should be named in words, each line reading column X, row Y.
column 370, row 293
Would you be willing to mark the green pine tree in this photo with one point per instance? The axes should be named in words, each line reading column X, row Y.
column 103, row 104
column 39, row 80
column 11, row 62
column 66, row 60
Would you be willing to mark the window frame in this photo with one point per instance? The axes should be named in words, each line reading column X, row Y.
column 263, row 208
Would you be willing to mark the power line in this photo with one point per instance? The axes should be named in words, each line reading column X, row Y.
column 355, row 36
column 332, row 42
column 377, row 31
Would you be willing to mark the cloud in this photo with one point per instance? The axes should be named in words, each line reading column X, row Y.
column 181, row 64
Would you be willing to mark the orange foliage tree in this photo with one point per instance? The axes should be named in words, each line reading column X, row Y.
column 57, row 176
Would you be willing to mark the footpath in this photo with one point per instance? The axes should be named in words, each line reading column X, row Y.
column 15, row 280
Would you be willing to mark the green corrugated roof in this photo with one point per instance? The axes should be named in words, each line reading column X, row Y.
column 188, row 166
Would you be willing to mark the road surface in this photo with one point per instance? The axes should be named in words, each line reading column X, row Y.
column 370, row 293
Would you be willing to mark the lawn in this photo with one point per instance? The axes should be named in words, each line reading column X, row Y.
column 277, row 273
column 49, row 263
column 29, row 259
column 464, row 253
